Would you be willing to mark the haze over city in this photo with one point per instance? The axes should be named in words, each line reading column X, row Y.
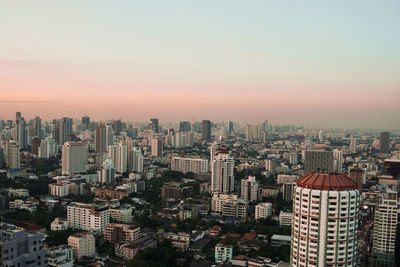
column 305, row 63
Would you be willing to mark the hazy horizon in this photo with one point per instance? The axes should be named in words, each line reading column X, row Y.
column 329, row 65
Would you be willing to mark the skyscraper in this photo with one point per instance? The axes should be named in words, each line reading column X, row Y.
column 74, row 157
column 85, row 123
column 384, row 139
column 154, row 125
column 136, row 160
column 101, row 143
column 109, row 135
column 37, row 127
column 20, row 131
column 384, row 234
column 206, row 130
column 222, row 172
column 325, row 221
column 156, row 147
column 119, row 155
column 230, row 127
column 62, row 130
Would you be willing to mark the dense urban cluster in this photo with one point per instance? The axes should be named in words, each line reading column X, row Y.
column 77, row 192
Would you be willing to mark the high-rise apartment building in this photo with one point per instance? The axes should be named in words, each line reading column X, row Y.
column 337, row 160
column 384, row 234
column 106, row 174
column 384, row 142
column 185, row 165
column 353, row 145
column 222, row 172
column 230, row 127
column 12, row 155
column 20, row 134
column 288, row 190
column 136, row 160
column 249, row 189
column 119, row 156
column 87, row 217
column 206, row 130
column 85, row 123
column 74, row 157
column 18, row 248
column 47, row 148
column 318, row 161
column 156, row 147
column 325, row 221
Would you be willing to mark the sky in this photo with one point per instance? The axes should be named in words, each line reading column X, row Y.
column 313, row 63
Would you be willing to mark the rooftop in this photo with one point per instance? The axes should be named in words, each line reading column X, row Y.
column 327, row 182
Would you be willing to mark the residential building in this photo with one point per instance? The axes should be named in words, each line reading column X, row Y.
column 263, row 210
column 223, row 252
column 136, row 160
column 61, row 256
column 229, row 205
column 206, row 130
column 281, row 240
column 156, row 147
column 83, row 244
column 249, row 189
column 222, row 172
column 185, row 165
column 106, row 174
column 119, row 156
column 116, row 233
column 285, row 218
column 87, row 217
column 384, row 142
column 288, row 191
column 12, row 156
column 385, row 226
column 122, row 214
column 59, row 224
column 325, row 221
column 19, row 248
column 74, row 157
column 179, row 240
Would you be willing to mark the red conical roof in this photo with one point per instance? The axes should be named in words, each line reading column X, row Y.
column 328, row 182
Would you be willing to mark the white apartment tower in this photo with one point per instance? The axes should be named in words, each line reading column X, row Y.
column 135, row 160
column 325, row 221
column 249, row 189
column 12, row 156
column 222, row 167
column 186, row 165
column 384, row 235
column 107, row 172
column 87, row 217
column 119, row 156
column 74, row 157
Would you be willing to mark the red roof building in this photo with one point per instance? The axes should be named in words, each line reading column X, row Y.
column 327, row 182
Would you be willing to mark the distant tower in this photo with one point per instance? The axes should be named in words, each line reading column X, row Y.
column 136, row 160
column 222, row 172
column 37, row 127
column 325, row 221
column 85, row 123
column 12, row 155
column 206, row 130
column 20, row 131
column 230, row 127
column 119, row 155
column 156, row 147
column 353, row 145
column 384, row 142
column 185, row 126
column 154, row 125
column 321, row 136
column 249, row 189
column 101, row 144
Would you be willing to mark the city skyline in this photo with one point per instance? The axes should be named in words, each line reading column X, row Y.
column 315, row 64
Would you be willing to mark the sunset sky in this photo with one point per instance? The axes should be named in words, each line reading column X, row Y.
column 312, row 63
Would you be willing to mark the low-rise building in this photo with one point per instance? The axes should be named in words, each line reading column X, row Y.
column 229, row 205
column 285, row 218
column 61, row 256
column 280, row 240
column 223, row 252
column 59, row 224
column 263, row 210
column 116, row 233
column 122, row 214
column 179, row 240
column 128, row 250
column 83, row 244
